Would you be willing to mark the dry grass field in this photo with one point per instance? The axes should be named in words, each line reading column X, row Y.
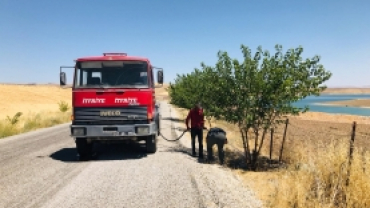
column 37, row 103
column 31, row 98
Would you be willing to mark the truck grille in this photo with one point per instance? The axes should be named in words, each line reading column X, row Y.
column 107, row 116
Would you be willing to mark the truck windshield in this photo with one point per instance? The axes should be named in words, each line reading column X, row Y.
column 110, row 74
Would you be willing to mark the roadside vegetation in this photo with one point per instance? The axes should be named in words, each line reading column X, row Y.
column 20, row 123
column 250, row 98
column 26, row 108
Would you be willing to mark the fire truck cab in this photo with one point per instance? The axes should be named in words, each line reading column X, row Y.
column 113, row 100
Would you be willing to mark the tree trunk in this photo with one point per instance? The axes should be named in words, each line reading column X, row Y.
column 263, row 138
column 248, row 147
column 255, row 141
column 255, row 152
column 245, row 144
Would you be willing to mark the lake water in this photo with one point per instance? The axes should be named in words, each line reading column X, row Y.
column 310, row 101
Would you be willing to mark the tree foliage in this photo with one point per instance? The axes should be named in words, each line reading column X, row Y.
column 255, row 93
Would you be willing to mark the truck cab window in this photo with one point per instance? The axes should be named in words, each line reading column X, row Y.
column 130, row 75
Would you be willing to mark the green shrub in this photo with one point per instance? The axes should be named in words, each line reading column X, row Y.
column 63, row 106
column 14, row 120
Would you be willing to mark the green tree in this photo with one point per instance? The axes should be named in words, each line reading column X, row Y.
column 255, row 94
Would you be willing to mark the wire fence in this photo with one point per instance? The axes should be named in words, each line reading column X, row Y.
column 322, row 132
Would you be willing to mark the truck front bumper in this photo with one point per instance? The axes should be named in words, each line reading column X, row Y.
column 113, row 131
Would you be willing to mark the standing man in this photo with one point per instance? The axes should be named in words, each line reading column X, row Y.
column 197, row 125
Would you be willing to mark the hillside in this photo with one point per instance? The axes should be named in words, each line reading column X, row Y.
column 31, row 98
column 347, row 91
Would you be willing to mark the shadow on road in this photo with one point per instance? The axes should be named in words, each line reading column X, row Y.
column 233, row 159
column 65, row 155
column 104, row 152
column 187, row 151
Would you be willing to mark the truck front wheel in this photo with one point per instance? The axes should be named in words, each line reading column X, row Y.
column 84, row 149
column 151, row 144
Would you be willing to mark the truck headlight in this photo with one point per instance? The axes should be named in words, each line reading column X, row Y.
column 142, row 130
column 78, row 131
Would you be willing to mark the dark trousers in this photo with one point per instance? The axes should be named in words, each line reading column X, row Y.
column 195, row 132
column 220, row 147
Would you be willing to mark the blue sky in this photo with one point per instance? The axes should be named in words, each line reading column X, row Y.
column 40, row 35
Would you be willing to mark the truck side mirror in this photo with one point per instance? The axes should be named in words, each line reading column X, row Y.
column 160, row 77
column 63, row 78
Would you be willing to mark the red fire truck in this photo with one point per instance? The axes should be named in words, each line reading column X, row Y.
column 113, row 98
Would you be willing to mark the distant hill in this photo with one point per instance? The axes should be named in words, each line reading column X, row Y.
column 343, row 90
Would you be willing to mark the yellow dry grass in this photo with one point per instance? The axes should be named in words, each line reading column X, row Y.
column 38, row 105
column 33, row 121
column 31, row 98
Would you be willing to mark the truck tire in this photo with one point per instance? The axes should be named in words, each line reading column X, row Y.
column 151, row 144
column 83, row 148
column 159, row 127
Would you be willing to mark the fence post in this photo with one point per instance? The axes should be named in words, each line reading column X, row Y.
column 271, row 144
column 282, row 144
column 351, row 148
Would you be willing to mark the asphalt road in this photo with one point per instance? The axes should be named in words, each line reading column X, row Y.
column 41, row 169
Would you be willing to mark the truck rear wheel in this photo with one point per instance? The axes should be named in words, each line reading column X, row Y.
column 84, row 149
column 151, row 144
